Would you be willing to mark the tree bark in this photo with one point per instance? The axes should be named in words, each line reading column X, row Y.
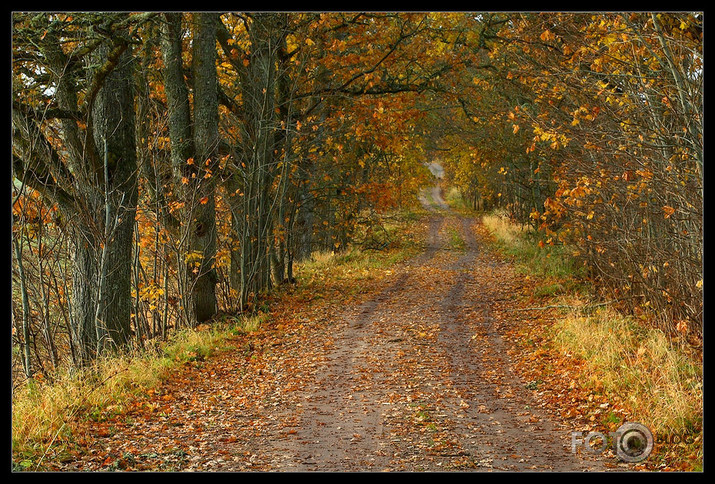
column 253, row 211
column 206, row 140
column 194, row 148
column 114, row 132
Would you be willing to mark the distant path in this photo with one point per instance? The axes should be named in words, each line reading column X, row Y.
column 431, row 197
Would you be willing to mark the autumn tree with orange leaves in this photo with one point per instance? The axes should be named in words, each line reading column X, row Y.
column 589, row 127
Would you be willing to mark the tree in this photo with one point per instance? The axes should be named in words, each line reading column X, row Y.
column 194, row 153
column 615, row 104
column 79, row 153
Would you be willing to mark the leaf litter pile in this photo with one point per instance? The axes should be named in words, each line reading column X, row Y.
column 415, row 373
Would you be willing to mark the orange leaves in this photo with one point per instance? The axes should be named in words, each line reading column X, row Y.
column 176, row 205
column 547, row 36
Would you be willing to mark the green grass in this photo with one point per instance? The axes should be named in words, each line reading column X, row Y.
column 456, row 242
column 456, row 201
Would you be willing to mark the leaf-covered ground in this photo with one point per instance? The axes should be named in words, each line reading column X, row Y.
column 414, row 373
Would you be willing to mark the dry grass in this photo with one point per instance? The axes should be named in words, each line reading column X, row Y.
column 506, row 232
column 43, row 412
column 660, row 383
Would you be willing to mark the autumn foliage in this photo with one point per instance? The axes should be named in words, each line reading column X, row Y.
column 592, row 133
column 299, row 127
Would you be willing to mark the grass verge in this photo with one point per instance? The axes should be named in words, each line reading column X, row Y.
column 43, row 412
column 331, row 275
column 612, row 367
column 640, row 365
column 522, row 244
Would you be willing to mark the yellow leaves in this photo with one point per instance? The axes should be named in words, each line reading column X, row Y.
column 597, row 64
column 291, row 43
column 149, row 293
column 555, row 139
column 608, row 39
column 193, row 259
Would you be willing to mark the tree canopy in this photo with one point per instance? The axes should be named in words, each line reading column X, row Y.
column 171, row 166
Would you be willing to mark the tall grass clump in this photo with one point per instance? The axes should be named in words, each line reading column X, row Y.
column 656, row 379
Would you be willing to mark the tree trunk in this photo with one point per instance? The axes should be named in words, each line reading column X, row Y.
column 114, row 133
column 253, row 213
column 202, row 234
column 193, row 154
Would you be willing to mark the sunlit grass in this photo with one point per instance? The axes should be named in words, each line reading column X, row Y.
column 397, row 240
column 660, row 383
column 522, row 243
column 43, row 412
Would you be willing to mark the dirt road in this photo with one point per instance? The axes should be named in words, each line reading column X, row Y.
column 418, row 379
column 414, row 378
